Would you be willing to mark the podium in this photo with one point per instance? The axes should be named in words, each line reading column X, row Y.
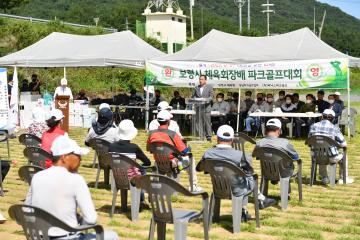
column 197, row 121
column 63, row 103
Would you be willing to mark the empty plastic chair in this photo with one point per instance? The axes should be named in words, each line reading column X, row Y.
column 101, row 148
column 27, row 172
column 37, row 156
column 119, row 165
column 161, row 189
column 320, row 155
column 37, row 222
column 223, row 173
column 276, row 166
column 239, row 141
column 29, row 140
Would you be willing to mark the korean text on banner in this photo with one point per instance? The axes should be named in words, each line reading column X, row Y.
column 4, row 100
column 319, row 73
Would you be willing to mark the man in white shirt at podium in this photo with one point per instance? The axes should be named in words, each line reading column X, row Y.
column 206, row 92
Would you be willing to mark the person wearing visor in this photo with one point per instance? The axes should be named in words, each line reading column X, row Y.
column 61, row 191
column 53, row 122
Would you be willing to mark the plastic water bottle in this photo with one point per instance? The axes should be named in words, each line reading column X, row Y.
column 316, row 108
column 178, row 106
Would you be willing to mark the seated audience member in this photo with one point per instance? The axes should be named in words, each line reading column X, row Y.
column 223, row 108
column 134, row 97
column 154, row 124
column 60, row 190
column 281, row 99
column 103, row 128
column 5, row 167
column 270, row 105
column 156, row 99
column 320, row 102
column 248, row 101
column 128, row 132
column 54, row 131
column 234, row 110
column 82, row 95
column 338, row 100
column 164, row 134
column 259, row 106
column 38, row 125
column 272, row 139
column 296, row 101
column 335, row 107
column 224, row 151
column 287, row 107
column 177, row 102
column 132, row 113
column 326, row 128
column 309, row 106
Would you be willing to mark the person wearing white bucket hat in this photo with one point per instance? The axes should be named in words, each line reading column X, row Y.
column 60, row 190
column 63, row 89
column 174, row 126
column 127, row 132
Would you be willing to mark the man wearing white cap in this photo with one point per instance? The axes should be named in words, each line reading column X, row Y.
column 154, row 124
column 272, row 139
column 164, row 134
column 60, row 190
column 224, row 151
column 333, row 105
column 338, row 100
column 326, row 128
column 63, row 89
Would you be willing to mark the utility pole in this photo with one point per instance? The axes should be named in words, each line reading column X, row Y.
column 248, row 18
column 202, row 21
column 192, row 3
column 314, row 19
column 267, row 5
column 322, row 24
column 240, row 4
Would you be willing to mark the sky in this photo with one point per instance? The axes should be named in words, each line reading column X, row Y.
column 351, row 7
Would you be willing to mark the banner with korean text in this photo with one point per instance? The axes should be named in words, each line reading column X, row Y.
column 4, row 100
column 318, row 73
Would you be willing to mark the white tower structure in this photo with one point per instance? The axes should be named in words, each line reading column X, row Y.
column 167, row 24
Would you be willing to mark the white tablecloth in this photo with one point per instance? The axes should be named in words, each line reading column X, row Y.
column 279, row 114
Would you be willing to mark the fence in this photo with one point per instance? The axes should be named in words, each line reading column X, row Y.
column 31, row 19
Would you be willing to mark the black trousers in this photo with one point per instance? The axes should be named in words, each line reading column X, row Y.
column 5, row 167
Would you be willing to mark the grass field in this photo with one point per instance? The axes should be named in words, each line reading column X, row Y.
column 325, row 213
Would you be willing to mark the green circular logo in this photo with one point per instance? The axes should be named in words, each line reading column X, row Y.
column 315, row 72
column 168, row 73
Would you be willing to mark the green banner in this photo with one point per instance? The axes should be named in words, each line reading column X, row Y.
column 319, row 73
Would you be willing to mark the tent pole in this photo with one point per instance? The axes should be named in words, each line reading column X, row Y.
column 65, row 72
column 238, row 112
column 349, row 104
column 147, row 108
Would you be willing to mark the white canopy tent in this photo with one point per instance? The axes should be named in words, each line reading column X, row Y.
column 120, row 49
column 232, row 61
column 219, row 46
